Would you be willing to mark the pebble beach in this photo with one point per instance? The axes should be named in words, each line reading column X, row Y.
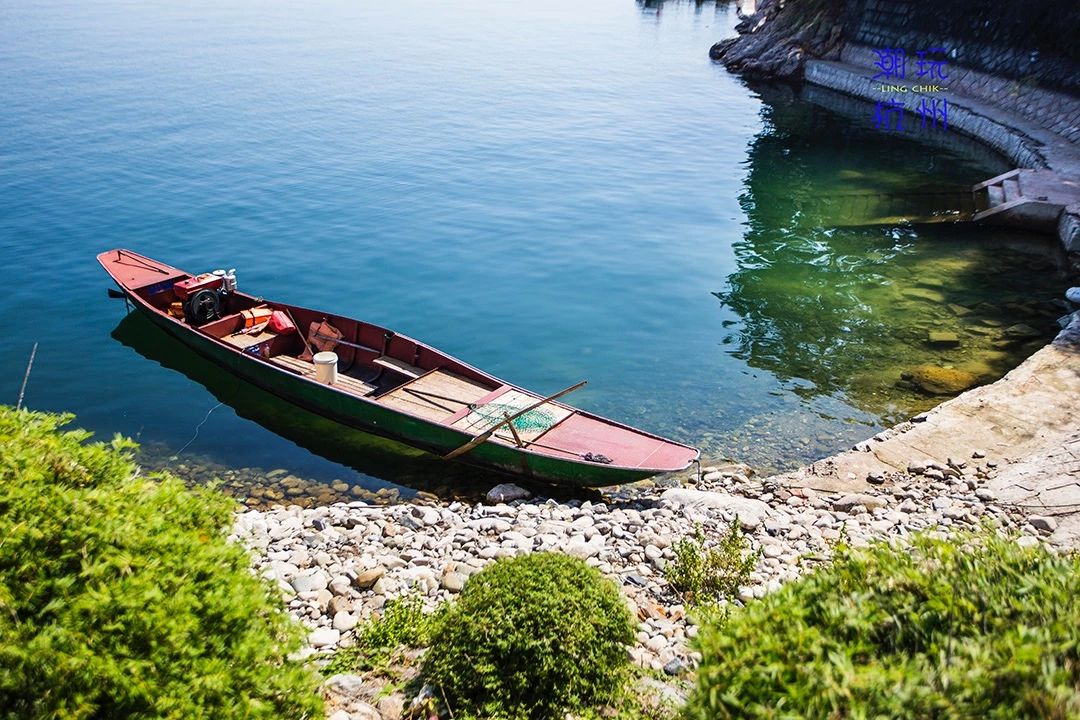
column 339, row 564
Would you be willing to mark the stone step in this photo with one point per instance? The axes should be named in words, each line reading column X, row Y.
column 995, row 194
column 1011, row 187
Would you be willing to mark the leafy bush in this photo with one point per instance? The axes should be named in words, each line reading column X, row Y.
column 120, row 597
column 974, row 628
column 708, row 574
column 532, row 637
column 403, row 623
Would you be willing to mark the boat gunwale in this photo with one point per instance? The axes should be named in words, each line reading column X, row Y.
column 145, row 305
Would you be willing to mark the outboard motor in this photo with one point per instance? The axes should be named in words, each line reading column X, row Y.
column 205, row 296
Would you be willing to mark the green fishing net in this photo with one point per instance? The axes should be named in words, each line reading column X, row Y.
column 537, row 419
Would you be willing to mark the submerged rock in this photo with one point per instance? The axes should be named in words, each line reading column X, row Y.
column 935, row 380
column 1020, row 331
column 942, row 338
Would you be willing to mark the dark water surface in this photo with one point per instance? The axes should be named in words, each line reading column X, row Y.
column 550, row 191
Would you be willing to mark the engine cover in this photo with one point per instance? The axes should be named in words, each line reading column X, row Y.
column 207, row 281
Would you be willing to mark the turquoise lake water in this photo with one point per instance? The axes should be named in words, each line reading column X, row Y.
column 550, row 191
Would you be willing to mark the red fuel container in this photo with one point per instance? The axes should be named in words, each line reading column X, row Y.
column 207, row 281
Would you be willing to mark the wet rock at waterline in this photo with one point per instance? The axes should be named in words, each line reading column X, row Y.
column 506, row 493
column 935, row 380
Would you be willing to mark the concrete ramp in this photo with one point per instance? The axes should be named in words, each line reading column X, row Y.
column 1024, row 198
column 864, row 209
column 1028, row 199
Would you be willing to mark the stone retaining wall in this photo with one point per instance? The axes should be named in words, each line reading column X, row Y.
column 1016, row 145
column 1055, row 111
column 1032, row 44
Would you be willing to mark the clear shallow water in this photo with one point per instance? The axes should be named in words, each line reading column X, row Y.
column 549, row 191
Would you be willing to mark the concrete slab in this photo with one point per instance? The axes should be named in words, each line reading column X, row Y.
column 1026, row 425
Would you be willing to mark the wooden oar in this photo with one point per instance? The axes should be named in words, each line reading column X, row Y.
column 491, row 431
column 307, row 348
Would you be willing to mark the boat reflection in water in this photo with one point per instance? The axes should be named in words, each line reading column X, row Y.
column 386, row 463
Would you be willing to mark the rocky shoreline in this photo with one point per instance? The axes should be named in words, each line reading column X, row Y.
column 337, row 565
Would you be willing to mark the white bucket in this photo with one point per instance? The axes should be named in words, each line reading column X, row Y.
column 326, row 367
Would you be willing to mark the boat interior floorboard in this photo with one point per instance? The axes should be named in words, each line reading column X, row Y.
column 436, row 395
column 344, row 381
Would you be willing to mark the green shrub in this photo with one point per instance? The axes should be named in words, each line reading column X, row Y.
column 972, row 628
column 532, row 637
column 120, row 597
column 707, row 574
column 403, row 623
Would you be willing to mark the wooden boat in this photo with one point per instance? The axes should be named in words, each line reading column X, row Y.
column 389, row 384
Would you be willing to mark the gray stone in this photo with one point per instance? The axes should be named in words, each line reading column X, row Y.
column 582, row 549
column 310, row 580
column 426, row 515
column 324, row 637
column 507, row 493
column 392, row 707
column 750, row 512
column 772, row 551
column 656, row 643
column 345, row 621
column 674, row 667
column 1073, row 295
column 1043, row 523
column 364, row 711
column 986, row 494
column 346, row 684
column 848, row 502
column 1027, row 541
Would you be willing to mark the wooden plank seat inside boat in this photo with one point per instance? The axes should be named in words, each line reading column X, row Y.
column 246, row 340
column 436, row 395
column 302, row 367
column 399, row 366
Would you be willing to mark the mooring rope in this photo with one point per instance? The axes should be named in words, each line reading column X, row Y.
column 197, row 428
